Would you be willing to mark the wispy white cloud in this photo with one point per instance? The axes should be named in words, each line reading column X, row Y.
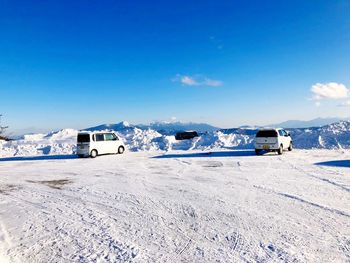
column 331, row 90
column 197, row 80
column 189, row 81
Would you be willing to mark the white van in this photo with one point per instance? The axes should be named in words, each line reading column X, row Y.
column 97, row 143
column 273, row 140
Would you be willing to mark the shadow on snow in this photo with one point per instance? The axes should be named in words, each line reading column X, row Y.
column 209, row 154
column 39, row 158
column 338, row 163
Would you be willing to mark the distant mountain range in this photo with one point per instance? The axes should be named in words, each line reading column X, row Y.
column 318, row 122
column 164, row 128
column 115, row 127
column 170, row 128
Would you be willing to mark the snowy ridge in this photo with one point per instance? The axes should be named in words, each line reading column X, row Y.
column 333, row 136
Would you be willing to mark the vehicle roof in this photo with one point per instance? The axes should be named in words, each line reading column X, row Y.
column 270, row 129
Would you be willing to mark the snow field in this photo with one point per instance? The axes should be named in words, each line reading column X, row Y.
column 179, row 206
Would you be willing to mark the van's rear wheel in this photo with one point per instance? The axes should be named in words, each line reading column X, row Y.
column 93, row 154
column 280, row 150
column 290, row 148
column 121, row 149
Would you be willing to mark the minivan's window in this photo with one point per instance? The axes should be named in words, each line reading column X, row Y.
column 267, row 133
column 281, row 133
column 83, row 138
column 110, row 137
column 99, row 137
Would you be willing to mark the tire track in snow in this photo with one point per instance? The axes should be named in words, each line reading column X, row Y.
column 235, row 241
column 232, row 240
column 5, row 243
column 243, row 248
column 342, row 187
column 94, row 226
column 331, row 182
column 333, row 231
column 74, row 199
column 301, row 200
column 345, row 246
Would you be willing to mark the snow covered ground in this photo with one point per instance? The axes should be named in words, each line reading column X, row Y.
column 193, row 206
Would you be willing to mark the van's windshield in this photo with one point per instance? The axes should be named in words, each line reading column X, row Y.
column 83, row 138
column 267, row 133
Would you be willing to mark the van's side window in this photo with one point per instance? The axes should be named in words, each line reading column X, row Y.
column 110, row 137
column 99, row 137
column 280, row 132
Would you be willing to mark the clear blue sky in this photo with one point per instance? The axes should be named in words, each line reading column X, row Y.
column 228, row 63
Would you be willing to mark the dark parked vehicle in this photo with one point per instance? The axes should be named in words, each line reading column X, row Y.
column 186, row 135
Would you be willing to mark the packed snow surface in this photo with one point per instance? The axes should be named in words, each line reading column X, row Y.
column 193, row 206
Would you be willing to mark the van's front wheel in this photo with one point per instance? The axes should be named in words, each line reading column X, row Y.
column 93, row 154
column 121, row 149
column 290, row 148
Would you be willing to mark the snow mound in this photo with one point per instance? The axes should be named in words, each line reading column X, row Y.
column 61, row 142
column 333, row 136
column 141, row 140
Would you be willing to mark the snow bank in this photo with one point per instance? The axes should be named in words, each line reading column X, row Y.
column 61, row 142
column 334, row 136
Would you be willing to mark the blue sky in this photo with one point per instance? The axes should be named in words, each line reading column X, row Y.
column 81, row 63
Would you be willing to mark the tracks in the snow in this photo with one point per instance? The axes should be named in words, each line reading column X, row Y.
column 76, row 221
column 320, row 170
column 179, row 210
column 5, row 242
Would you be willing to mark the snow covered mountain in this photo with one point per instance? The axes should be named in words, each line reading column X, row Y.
column 170, row 128
column 164, row 128
column 333, row 136
column 124, row 125
column 318, row 122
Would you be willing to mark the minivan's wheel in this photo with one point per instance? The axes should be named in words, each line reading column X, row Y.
column 290, row 148
column 257, row 151
column 121, row 149
column 280, row 150
column 93, row 154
